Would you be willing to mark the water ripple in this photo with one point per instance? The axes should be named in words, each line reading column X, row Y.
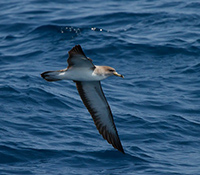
column 45, row 127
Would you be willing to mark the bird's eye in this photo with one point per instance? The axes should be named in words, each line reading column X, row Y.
column 111, row 70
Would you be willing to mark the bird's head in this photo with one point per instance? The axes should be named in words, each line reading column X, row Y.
column 109, row 71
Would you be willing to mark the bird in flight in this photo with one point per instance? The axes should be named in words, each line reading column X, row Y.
column 87, row 77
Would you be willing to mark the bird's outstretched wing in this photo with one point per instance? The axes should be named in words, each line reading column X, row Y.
column 94, row 99
column 77, row 58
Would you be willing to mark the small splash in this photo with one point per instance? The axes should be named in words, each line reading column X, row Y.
column 98, row 29
column 70, row 30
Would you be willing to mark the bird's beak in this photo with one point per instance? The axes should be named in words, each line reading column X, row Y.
column 119, row 75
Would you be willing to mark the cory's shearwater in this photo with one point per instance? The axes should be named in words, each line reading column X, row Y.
column 87, row 77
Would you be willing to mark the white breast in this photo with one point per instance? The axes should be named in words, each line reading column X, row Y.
column 80, row 74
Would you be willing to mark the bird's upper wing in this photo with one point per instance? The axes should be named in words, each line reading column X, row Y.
column 77, row 58
column 93, row 98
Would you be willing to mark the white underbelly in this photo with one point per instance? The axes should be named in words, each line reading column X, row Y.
column 80, row 74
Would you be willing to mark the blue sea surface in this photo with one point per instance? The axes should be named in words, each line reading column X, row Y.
column 44, row 127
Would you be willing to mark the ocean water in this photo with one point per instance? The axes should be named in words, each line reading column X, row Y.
column 44, row 126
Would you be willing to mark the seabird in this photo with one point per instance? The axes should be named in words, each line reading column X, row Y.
column 87, row 77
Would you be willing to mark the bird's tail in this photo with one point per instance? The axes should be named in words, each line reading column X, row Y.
column 51, row 75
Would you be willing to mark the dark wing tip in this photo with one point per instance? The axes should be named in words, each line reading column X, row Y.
column 76, row 50
column 113, row 139
column 44, row 75
column 119, row 146
column 48, row 76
